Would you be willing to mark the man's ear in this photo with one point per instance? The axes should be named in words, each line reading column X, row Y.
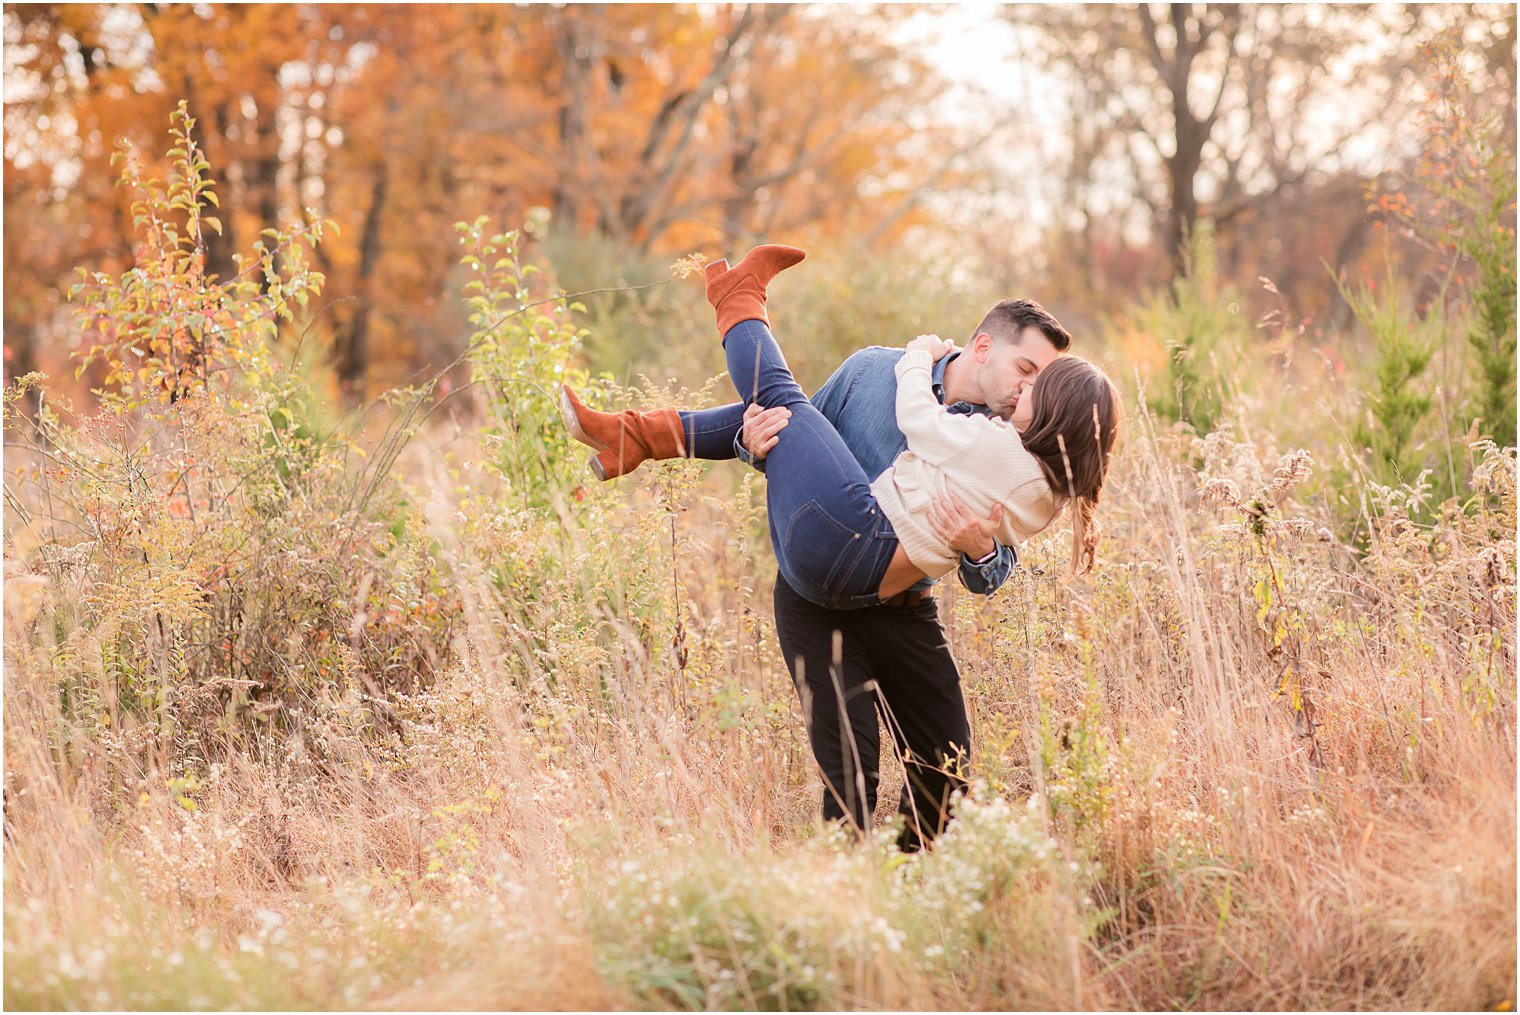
column 981, row 346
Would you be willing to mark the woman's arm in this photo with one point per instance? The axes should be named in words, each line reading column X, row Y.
column 933, row 434
column 1028, row 509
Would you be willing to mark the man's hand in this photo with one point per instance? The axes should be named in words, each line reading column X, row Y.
column 762, row 428
column 966, row 533
column 936, row 347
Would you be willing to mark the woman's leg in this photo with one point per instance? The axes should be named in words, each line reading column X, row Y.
column 831, row 540
column 622, row 440
column 625, row 440
column 710, row 433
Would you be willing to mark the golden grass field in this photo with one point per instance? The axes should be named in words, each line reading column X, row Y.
column 469, row 751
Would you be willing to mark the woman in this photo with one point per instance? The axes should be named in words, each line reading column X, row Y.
column 843, row 541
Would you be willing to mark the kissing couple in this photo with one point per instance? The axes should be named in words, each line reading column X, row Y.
column 908, row 463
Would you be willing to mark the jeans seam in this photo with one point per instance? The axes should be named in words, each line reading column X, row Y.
column 833, row 576
column 704, row 431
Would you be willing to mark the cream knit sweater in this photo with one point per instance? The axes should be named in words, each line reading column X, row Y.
column 979, row 458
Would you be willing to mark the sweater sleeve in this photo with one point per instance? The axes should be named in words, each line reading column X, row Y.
column 933, row 434
column 1028, row 510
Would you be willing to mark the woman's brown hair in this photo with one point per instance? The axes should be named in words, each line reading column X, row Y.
column 1076, row 418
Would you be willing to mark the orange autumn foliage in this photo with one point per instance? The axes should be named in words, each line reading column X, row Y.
column 667, row 128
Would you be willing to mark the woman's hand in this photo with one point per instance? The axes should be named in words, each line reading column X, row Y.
column 936, row 347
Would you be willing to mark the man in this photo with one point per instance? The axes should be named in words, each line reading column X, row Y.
column 892, row 660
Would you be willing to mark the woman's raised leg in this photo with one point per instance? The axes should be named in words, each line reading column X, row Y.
column 710, row 433
column 625, row 440
column 830, row 538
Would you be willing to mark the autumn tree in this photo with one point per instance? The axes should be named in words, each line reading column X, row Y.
column 60, row 205
column 1217, row 109
column 672, row 127
column 662, row 127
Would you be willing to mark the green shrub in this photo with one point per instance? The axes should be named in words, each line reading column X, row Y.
column 1399, row 395
column 827, row 922
column 219, row 565
column 521, row 351
column 1469, row 171
column 1202, row 327
column 837, row 301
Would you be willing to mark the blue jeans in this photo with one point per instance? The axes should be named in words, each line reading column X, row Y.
column 710, row 433
column 833, row 543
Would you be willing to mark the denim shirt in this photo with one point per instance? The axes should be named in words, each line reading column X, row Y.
column 860, row 399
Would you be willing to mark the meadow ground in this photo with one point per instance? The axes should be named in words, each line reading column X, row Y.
column 476, row 750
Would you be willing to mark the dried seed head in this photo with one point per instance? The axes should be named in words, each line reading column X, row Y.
column 1291, row 470
column 1221, row 492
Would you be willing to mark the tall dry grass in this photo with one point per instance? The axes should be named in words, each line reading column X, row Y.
column 1237, row 767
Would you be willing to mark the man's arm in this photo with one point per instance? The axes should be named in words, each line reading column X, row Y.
column 983, row 578
column 761, row 430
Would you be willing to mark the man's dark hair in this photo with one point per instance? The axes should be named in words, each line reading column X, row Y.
column 1007, row 320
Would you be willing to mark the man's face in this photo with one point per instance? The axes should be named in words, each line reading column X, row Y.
column 1006, row 369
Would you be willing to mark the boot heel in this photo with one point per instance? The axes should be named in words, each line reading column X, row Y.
column 572, row 421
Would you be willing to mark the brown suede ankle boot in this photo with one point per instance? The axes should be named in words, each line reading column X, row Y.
column 623, row 440
column 738, row 293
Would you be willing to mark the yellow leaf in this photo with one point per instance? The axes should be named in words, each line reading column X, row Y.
column 1289, row 685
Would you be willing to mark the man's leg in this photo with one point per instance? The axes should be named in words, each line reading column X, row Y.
column 925, row 712
column 831, row 670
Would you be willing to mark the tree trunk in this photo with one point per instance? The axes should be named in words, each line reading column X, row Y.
column 351, row 350
column 20, row 351
column 221, row 246
column 575, row 51
column 1182, row 169
column 264, row 171
column 1191, row 29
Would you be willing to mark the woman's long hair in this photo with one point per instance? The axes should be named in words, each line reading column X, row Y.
column 1076, row 418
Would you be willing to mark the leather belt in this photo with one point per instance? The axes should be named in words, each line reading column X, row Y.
column 908, row 599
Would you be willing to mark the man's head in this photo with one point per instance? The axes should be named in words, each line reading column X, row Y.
column 1015, row 341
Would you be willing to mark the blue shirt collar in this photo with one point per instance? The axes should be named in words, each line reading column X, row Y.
column 938, row 377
